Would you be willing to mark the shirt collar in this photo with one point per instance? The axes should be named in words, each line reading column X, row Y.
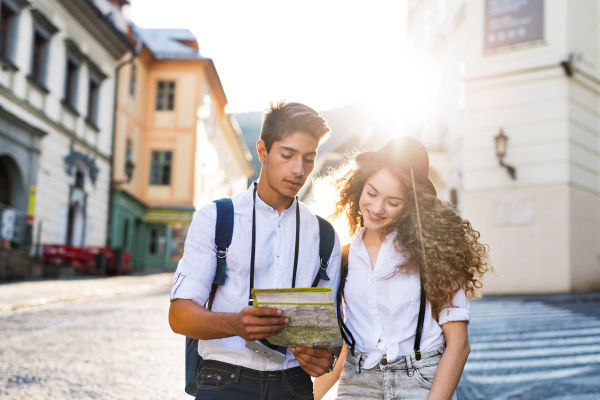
column 359, row 237
column 261, row 205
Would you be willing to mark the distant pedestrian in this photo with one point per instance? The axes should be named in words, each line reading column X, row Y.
column 406, row 279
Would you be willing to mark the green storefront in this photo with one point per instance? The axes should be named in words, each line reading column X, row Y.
column 153, row 235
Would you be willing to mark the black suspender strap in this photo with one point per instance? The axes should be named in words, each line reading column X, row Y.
column 420, row 324
column 346, row 334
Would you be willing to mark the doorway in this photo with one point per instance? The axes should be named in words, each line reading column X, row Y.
column 5, row 185
column 156, row 245
column 75, row 225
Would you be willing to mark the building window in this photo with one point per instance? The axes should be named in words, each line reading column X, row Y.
column 128, row 150
column 7, row 17
column 73, row 64
column 160, row 168
column 71, row 83
column 37, row 56
column 132, row 79
column 165, row 95
column 79, row 178
column 93, row 94
column 42, row 32
column 95, row 78
column 152, row 245
column 125, row 233
column 156, row 244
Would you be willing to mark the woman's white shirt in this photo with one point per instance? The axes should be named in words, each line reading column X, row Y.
column 382, row 311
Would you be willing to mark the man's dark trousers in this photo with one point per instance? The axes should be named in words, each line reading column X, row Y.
column 218, row 380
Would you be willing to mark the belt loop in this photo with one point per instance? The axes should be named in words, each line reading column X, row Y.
column 238, row 372
column 409, row 367
column 358, row 362
column 282, row 378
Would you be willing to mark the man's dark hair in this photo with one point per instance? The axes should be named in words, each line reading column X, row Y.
column 282, row 119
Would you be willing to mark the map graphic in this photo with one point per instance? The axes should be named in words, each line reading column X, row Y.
column 311, row 313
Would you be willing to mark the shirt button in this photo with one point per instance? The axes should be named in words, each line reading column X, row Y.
column 277, row 255
column 279, row 226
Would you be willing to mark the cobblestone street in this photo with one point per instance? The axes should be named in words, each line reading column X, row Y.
column 110, row 345
column 115, row 347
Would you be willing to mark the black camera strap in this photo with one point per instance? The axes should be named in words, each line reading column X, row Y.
column 253, row 255
column 280, row 349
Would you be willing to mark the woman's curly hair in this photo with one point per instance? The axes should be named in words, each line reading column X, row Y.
column 455, row 257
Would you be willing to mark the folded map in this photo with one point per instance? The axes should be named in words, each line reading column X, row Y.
column 311, row 312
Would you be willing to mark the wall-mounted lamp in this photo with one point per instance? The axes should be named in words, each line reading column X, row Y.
column 501, row 142
column 129, row 167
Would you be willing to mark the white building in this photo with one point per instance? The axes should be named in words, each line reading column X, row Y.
column 492, row 65
column 58, row 62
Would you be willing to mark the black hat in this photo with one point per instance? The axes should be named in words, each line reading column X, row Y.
column 406, row 151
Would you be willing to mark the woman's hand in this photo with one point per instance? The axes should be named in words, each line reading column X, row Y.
column 453, row 361
column 324, row 383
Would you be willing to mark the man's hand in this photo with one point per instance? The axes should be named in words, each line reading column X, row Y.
column 315, row 362
column 255, row 323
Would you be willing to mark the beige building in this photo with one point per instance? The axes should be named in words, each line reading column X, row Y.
column 174, row 138
column 529, row 68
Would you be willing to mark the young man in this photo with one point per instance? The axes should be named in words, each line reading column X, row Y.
column 290, row 136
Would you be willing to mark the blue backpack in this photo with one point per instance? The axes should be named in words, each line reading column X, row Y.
column 223, row 235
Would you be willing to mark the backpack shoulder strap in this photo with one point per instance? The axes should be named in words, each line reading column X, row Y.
column 223, row 236
column 326, row 243
column 345, row 254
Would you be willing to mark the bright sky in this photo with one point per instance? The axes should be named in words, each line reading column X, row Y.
column 325, row 53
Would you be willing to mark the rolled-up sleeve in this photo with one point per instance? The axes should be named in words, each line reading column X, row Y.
column 197, row 268
column 458, row 313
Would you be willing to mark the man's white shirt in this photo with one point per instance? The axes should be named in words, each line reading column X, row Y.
column 274, row 264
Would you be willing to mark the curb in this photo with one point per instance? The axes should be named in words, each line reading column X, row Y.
column 82, row 295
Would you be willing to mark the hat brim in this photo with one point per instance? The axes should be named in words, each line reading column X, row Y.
column 419, row 176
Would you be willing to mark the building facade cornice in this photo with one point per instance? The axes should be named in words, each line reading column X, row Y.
column 99, row 26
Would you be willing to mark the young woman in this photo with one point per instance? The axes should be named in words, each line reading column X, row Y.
column 409, row 246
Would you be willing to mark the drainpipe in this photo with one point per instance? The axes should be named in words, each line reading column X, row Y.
column 111, row 189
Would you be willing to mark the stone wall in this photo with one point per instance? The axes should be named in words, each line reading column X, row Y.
column 17, row 265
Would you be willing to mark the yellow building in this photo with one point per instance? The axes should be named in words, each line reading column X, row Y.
column 175, row 148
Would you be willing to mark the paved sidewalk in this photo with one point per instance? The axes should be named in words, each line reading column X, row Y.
column 15, row 295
